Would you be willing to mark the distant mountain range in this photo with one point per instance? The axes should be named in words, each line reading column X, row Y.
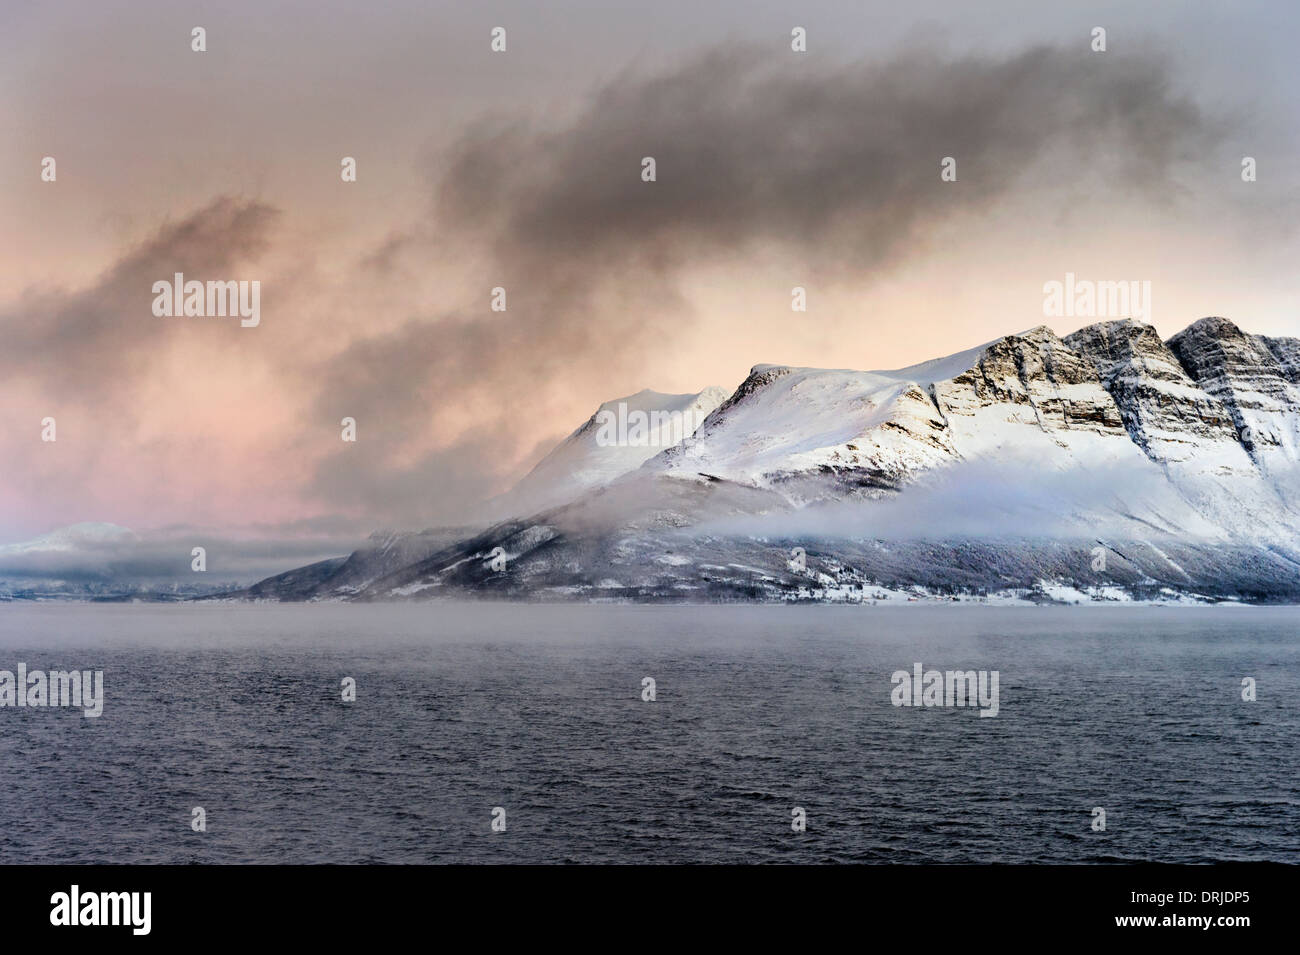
column 105, row 562
column 1106, row 465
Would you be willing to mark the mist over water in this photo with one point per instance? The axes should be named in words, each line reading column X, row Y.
column 461, row 708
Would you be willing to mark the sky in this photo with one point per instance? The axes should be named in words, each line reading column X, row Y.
column 522, row 170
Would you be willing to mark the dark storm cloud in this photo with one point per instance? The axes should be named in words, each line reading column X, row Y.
column 840, row 162
column 92, row 343
column 837, row 165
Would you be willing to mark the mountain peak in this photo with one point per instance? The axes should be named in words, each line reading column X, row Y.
column 1036, row 333
column 1114, row 326
column 1212, row 326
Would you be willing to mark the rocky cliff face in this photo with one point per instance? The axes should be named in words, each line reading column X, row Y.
column 1038, row 380
column 1190, row 430
column 1164, row 411
column 1287, row 353
column 1256, row 388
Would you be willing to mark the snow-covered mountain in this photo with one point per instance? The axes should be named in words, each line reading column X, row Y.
column 1106, row 463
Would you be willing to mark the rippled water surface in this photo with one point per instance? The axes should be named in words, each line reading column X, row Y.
column 538, row 709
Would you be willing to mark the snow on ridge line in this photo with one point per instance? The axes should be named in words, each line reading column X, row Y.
column 587, row 459
column 947, row 367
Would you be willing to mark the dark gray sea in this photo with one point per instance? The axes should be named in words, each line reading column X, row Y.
column 538, row 710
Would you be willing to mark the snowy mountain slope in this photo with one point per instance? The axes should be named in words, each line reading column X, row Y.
column 1022, row 396
column 382, row 554
column 1106, row 463
column 597, row 453
column 1026, row 401
column 784, row 424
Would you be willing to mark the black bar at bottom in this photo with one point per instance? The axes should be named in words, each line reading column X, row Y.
column 649, row 905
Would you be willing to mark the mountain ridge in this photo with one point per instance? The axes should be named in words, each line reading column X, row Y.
column 1007, row 465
